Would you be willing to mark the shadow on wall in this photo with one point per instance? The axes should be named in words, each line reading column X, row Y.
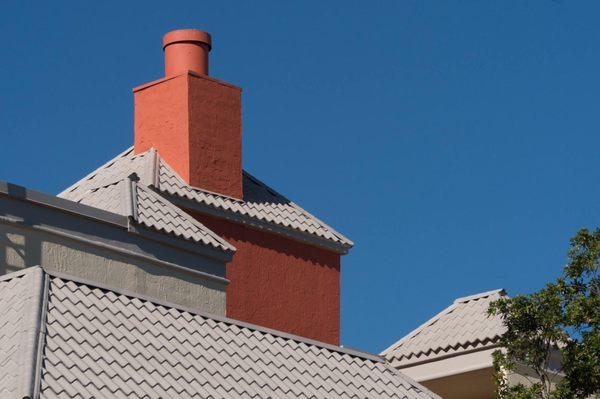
column 18, row 250
column 12, row 253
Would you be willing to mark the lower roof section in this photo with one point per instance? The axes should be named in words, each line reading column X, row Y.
column 97, row 342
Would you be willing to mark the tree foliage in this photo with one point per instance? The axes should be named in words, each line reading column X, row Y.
column 558, row 322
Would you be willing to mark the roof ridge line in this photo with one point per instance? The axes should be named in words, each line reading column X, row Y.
column 41, row 335
column 33, row 333
column 104, row 165
column 222, row 319
column 478, row 296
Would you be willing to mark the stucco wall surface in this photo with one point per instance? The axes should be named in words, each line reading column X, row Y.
column 280, row 283
column 22, row 247
column 195, row 123
column 477, row 384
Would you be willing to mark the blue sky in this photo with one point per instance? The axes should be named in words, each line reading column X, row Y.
column 456, row 142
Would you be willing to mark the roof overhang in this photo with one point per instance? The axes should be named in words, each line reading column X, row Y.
column 249, row 221
column 463, row 362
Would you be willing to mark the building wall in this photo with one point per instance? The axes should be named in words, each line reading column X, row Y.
column 526, row 376
column 280, row 283
column 22, row 247
column 468, row 375
column 477, row 384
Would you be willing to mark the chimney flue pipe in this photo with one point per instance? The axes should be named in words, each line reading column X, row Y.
column 186, row 50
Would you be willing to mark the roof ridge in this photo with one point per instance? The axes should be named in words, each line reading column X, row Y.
column 86, row 177
column 222, row 319
column 468, row 298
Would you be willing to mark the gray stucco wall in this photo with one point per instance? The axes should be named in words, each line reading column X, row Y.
column 106, row 248
column 22, row 247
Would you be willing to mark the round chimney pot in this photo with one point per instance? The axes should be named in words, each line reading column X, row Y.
column 186, row 50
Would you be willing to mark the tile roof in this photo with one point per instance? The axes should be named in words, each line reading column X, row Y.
column 101, row 343
column 463, row 326
column 128, row 197
column 20, row 306
column 261, row 204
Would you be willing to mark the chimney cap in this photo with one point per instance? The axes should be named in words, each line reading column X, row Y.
column 187, row 36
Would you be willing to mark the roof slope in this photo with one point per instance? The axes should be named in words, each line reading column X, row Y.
column 20, row 305
column 145, row 207
column 261, row 203
column 462, row 326
column 100, row 343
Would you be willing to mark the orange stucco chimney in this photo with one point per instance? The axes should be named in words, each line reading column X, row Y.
column 193, row 120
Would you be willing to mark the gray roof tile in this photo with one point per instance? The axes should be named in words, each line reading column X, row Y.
column 148, row 208
column 260, row 202
column 20, row 305
column 100, row 343
column 462, row 326
column 156, row 212
column 104, row 344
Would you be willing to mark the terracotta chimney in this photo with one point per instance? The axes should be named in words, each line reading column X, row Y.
column 193, row 120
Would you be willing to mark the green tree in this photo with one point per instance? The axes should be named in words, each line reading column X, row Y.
column 559, row 320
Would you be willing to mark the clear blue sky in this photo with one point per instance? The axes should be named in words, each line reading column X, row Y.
column 456, row 142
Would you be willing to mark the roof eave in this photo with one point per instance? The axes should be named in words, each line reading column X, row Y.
column 207, row 250
column 307, row 238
